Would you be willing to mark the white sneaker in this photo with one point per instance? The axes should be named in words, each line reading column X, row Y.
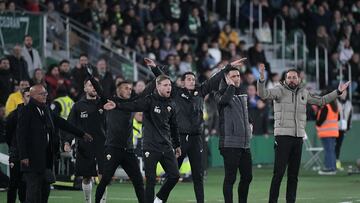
column 329, row 173
column 157, row 200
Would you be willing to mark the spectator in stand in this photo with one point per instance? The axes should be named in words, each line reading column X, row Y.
column 139, row 87
column 64, row 69
column 323, row 39
column 38, row 77
column 127, row 38
column 105, row 78
column 171, row 10
column 167, row 49
column 194, row 24
column 257, row 55
column 155, row 49
column 165, row 31
column 79, row 74
column 257, row 112
column 175, row 32
column 131, row 19
column 16, row 98
column 6, row 80
column 228, row 35
column 116, row 15
column 346, row 51
column 212, row 28
column 249, row 79
column 205, row 60
column 55, row 27
column 18, row 65
column 274, row 80
column 186, row 64
column 215, row 52
column 336, row 24
column 30, row 55
column 2, row 6
column 53, row 81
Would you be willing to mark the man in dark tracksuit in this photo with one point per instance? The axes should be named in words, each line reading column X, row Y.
column 235, row 133
column 88, row 115
column 16, row 182
column 189, row 102
column 161, row 137
column 119, row 148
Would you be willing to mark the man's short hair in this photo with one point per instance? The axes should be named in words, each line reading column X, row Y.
column 123, row 82
column 64, row 61
column 231, row 69
column 3, row 59
column 292, row 70
column 161, row 78
column 187, row 73
column 83, row 54
column 27, row 36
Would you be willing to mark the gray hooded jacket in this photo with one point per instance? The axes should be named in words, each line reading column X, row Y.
column 290, row 106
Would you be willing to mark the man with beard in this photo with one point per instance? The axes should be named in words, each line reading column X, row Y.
column 30, row 55
column 290, row 99
column 87, row 114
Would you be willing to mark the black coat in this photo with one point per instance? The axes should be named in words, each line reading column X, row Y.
column 6, row 85
column 19, row 68
column 37, row 138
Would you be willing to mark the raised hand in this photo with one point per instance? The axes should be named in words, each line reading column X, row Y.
column 262, row 71
column 229, row 81
column 87, row 137
column 238, row 62
column 178, row 152
column 109, row 105
column 149, row 62
column 343, row 86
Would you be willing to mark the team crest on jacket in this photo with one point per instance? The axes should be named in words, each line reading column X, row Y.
column 83, row 114
column 101, row 111
column 147, row 154
column 196, row 93
column 169, row 108
column 108, row 157
column 183, row 95
column 157, row 109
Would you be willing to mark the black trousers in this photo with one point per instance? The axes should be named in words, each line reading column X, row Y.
column 236, row 159
column 128, row 161
column 287, row 154
column 339, row 141
column 37, row 187
column 17, row 184
column 169, row 163
column 192, row 147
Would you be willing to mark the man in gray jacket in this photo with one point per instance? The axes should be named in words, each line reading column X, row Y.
column 235, row 132
column 290, row 99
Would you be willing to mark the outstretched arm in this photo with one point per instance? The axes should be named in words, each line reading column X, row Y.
column 322, row 100
column 273, row 93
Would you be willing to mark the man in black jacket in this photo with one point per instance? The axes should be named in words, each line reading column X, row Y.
column 88, row 114
column 235, row 132
column 118, row 145
column 189, row 102
column 16, row 183
column 36, row 143
column 161, row 137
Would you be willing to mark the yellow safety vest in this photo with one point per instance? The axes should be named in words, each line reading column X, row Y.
column 66, row 104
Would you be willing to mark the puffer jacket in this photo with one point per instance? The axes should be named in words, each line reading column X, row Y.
column 290, row 106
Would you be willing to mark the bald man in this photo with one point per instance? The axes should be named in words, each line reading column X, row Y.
column 37, row 144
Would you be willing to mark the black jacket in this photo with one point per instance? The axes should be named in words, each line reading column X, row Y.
column 88, row 115
column 19, row 68
column 234, row 122
column 6, row 85
column 32, row 136
column 190, row 104
column 11, row 123
column 160, row 126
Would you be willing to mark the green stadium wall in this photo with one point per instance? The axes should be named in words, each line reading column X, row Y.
column 262, row 148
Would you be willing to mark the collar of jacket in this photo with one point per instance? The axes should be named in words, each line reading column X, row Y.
column 301, row 86
column 157, row 96
column 35, row 103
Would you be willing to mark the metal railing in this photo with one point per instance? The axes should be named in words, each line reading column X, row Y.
column 283, row 38
column 317, row 61
column 301, row 34
column 85, row 38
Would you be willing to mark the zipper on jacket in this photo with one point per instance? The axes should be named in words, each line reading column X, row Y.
column 295, row 117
